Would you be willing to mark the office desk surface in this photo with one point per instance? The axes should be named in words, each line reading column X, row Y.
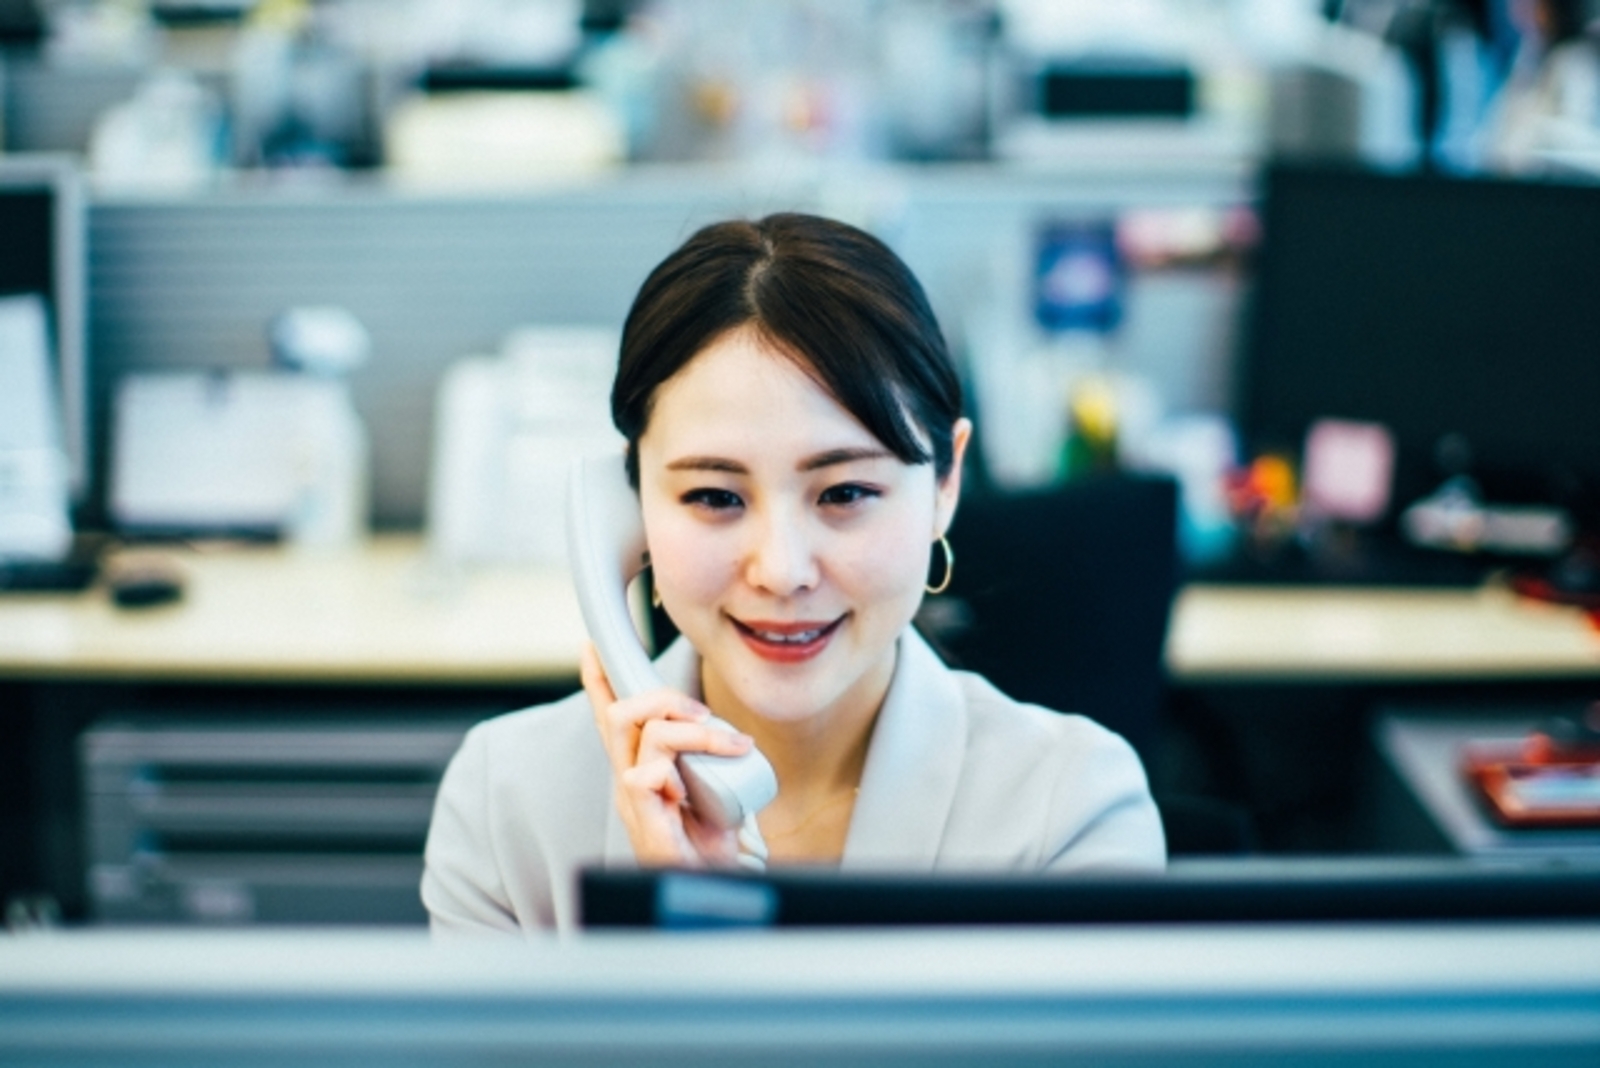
column 382, row 614
column 1243, row 633
column 378, row 614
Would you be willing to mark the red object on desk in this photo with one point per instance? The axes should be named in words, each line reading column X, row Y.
column 1574, row 579
column 1536, row 783
column 1540, row 588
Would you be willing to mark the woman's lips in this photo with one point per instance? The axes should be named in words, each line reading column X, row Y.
column 786, row 643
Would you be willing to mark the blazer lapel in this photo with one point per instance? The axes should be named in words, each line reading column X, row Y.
column 913, row 766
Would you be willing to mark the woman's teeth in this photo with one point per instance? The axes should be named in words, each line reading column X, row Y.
column 798, row 638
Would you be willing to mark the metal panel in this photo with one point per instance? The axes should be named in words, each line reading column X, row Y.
column 269, row 822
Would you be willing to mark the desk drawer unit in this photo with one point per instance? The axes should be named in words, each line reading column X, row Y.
column 272, row 822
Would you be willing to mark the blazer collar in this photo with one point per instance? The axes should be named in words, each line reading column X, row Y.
column 912, row 770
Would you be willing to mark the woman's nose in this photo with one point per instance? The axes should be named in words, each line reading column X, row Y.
column 782, row 559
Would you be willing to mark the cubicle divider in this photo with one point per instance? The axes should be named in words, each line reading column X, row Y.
column 191, row 281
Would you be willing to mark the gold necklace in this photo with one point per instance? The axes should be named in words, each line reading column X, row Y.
column 812, row 816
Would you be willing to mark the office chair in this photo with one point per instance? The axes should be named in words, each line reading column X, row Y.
column 1061, row 598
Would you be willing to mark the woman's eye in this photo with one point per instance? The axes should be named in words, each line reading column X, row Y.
column 717, row 500
column 846, row 494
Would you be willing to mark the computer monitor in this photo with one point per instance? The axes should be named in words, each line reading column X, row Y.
column 21, row 23
column 1446, row 308
column 43, row 251
column 1271, row 890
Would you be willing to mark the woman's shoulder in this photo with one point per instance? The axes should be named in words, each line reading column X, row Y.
column 550, row 733
column 1077, row 789
column 521, row 803
column 995, row 717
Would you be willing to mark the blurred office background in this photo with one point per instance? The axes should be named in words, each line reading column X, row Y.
column 439, row 211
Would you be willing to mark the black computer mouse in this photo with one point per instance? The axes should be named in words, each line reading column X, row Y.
column 144, row 586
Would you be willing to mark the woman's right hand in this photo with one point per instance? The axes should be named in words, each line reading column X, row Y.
column 643, row 736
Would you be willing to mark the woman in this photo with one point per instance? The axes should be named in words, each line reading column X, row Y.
column 795, row 434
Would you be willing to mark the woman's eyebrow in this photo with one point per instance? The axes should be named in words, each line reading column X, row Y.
column 708, row 463
column 816, row 462
column 842, row 456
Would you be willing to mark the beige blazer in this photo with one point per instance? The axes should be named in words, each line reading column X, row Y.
column 958, row 776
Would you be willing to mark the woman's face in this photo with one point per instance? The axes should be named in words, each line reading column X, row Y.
column 788, row 545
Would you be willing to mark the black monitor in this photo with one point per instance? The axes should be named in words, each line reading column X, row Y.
column 43, row 251
column 1441, row 307
column 21, row 23
column 1271, row 890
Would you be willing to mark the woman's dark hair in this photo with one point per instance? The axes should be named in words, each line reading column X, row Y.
column 832, row 298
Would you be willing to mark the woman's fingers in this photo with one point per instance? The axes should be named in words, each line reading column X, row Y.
column 658, row 778
column 643, row 738
column 663, row 830
column 717, row 845
column 601, row 699
column 593, row 675
column 667, row 738
column 649, row 798
column 621, row 722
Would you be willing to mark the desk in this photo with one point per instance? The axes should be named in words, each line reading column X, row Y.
column 1275, row 687
column 1323, row 634
column 380, row 614
column 267, row 634
column 262, row 628
column 1425, row 753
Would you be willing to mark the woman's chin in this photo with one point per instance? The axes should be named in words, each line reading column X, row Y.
column 804, row 691
column 786, row 693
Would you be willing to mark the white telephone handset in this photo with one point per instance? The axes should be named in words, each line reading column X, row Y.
column 606, row 547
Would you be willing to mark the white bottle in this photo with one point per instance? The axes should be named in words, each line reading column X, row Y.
column 332, row 454
column 330, row 510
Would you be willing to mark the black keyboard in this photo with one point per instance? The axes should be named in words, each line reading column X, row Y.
column 1374, row 564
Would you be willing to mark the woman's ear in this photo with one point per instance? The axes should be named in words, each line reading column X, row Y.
column 949, row 489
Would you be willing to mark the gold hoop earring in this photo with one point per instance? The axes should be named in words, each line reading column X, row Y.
column 655, row 592
column 949, row 566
